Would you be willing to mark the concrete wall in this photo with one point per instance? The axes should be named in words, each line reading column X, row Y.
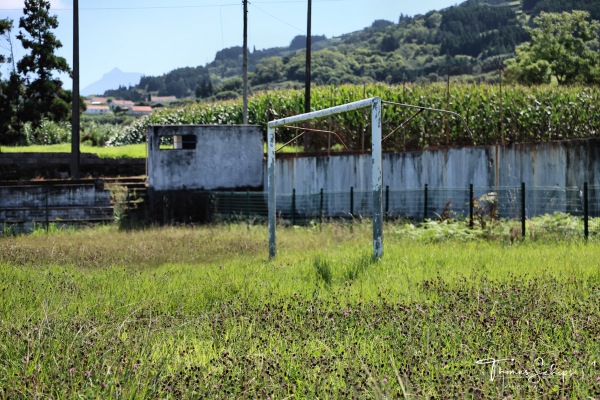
column 23, row 206
column 558, row 164
column 225, row 157
column 549, row 167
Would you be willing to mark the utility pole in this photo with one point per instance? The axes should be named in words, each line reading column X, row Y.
column 75, row 159
column 308, row 145
column 308, row 61
column 245, row 65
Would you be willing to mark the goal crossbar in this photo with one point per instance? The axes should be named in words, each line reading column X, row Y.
column 375, row 104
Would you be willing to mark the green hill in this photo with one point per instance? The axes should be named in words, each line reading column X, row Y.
column 467, row 42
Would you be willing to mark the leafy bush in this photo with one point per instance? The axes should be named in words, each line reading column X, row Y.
column 48, row 132
column 98, row 134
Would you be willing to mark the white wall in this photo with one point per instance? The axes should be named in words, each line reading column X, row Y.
column 225, row 157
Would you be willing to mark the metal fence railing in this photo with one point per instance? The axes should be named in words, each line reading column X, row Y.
column 31, row 207
column 26, row 208
column 516, row 203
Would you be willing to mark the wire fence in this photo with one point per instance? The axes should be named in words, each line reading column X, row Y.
column 469, row 203
column 44, row 207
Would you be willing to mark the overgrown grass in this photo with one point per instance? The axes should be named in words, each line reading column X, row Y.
column 200, row 312
column 126, row 151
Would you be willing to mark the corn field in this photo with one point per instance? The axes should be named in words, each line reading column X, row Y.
column 511, row 114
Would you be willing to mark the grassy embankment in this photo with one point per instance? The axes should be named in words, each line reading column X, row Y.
column 126, row 151
column 201, row 312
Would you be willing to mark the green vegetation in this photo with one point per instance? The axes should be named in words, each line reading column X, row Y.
column 201, row 313
column 563, row 46
column 495, row 114
column 515, row 114
column 31, row 93
column 467, row 42
column 126, row 151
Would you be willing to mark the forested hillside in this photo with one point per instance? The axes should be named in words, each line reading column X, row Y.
column 468, row 42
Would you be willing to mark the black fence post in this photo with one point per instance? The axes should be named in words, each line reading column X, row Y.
column 248, row 205
column 523, row 209
column 293, row 206
column 352, row 201
column 387, row 201
column 47, row 212
column 586, row 212
column 426, row 205
column 471, row 206
column 321, row 207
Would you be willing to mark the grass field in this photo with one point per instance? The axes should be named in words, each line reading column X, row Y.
column 127, row 151
column 200, row 312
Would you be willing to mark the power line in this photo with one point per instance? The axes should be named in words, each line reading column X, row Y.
column 274, row 17
column 176, row 7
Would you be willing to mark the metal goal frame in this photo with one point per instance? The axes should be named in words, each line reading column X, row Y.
column 375, row 104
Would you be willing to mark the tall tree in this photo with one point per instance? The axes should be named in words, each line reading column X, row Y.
column 44, row 96
column 5, row 27
column 562, row 45
column 11, row 92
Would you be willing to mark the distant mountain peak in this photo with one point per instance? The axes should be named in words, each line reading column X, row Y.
column 112, row 80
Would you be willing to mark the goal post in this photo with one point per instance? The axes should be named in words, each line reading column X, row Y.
column 375, row 104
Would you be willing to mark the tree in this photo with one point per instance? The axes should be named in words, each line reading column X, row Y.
column 205, row 89
column 268, row 70
column 11, row 92
column 562, row 45
column 5, row 28
column 44, row 96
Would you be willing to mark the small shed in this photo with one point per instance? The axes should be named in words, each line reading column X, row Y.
column 205, row 157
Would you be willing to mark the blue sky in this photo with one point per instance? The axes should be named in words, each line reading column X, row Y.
column 153, row 37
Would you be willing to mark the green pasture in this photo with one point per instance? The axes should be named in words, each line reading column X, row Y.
column 126, row 151
column 201, row 312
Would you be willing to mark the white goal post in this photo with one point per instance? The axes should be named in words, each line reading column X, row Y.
column 377, row 175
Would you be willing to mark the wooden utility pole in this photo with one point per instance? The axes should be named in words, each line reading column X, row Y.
column 501, row 125
column 308, row 145
column 245, row 65
column 308, row 61
column 75, row 159
column 446, row 122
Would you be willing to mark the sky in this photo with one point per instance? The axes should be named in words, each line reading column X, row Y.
column 153, row 37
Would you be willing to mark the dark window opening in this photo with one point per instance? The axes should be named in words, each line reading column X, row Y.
column 178, row 142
